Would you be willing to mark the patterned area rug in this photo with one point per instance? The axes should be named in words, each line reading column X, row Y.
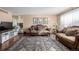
column 38, row 43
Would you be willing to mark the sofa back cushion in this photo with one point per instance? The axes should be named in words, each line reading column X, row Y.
column 64, row 30
column 38, row 27
column 72, row 31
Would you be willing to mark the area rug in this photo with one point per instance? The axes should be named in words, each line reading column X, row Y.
column 38, row 43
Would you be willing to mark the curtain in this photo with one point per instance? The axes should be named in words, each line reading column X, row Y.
column 70, row 18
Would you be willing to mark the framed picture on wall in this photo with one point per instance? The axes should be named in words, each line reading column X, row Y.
column 40, row 20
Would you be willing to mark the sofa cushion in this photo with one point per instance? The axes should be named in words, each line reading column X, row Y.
column 71, row 32
column 42, row 32
column 34, row 31
column 64, row 30
column 74, row 30
column 59, row 30
column 70, row 39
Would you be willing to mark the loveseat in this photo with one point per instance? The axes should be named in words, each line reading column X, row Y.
column 37, row 30
column 69, row 37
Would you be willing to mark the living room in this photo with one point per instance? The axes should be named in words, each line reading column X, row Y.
column 40, row 29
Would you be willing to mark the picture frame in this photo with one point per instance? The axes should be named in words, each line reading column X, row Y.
column 40, row 20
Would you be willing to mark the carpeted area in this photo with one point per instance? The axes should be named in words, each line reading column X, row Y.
column 38, row 43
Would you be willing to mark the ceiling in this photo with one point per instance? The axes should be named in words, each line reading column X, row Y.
column 36, row 10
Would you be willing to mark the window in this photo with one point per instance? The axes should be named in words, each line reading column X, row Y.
column 70, row 19
column 40, row 20
column 15, row 20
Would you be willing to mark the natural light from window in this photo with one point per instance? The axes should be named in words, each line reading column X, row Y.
column 70, row 19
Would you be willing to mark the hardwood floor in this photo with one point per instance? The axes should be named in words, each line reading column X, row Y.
column 38, row 43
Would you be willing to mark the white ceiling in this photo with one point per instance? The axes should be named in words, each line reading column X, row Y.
column 36, row 10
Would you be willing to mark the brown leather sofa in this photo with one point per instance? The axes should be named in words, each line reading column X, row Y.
column 37, row 30
column 69, row 37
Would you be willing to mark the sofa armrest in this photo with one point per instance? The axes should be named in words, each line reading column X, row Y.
column 77, row 37
column 76, row 40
